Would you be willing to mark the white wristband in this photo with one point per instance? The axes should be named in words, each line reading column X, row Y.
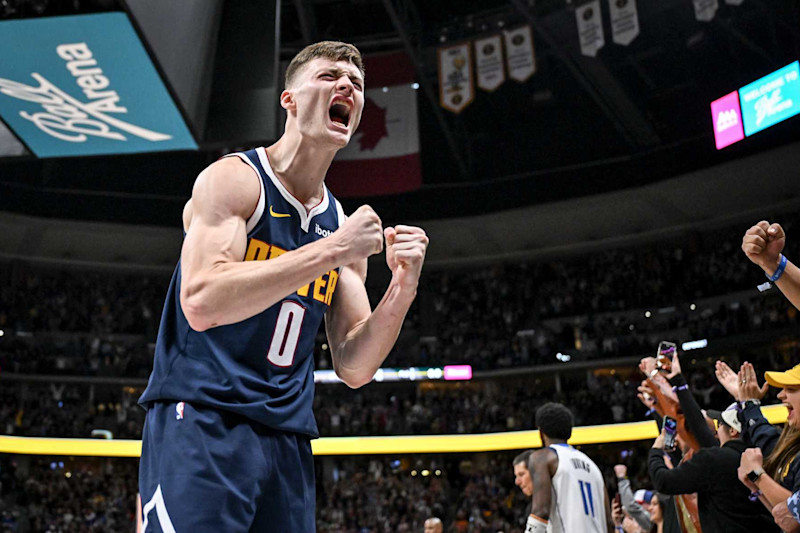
column 535, row 525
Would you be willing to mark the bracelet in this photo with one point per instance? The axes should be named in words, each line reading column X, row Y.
column 685, row 386
column 619, row 529
column 779, row 272
column 754, row 496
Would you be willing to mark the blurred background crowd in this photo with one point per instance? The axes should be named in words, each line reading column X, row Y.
column 77, row 347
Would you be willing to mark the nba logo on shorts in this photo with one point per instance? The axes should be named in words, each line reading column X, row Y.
column 179, row 410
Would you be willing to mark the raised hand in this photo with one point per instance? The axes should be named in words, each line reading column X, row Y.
column 361, row 235
column 647, row 365
column 676, row 366
column 748, row 384
column 752, row 459
column 646, row 395
column 728, row 379
column 763, row 244
column 620, row 471
column 405, row 253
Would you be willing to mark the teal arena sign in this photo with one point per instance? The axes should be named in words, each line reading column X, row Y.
column 84, row 85
column 771, row 99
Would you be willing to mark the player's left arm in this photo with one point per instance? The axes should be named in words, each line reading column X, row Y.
column 361, row 339
column 541, row 467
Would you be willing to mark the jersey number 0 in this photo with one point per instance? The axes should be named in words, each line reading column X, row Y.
column 286, row 334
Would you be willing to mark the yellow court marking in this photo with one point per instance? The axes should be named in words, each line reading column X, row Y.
column 486, row 442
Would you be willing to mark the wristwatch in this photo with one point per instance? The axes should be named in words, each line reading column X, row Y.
column 754, row 475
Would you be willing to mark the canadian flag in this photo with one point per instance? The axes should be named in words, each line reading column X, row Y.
column 383, row 154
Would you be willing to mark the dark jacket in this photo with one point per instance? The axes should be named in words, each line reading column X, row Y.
column 722, row 500
column 695, row 421
column 758, row 432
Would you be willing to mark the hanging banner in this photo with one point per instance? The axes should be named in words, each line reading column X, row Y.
column 624, row 21
column 383, row 155
column 455, row 77
column 489, row 63
column 519, row 53
column 590, row 28
column 704, row 10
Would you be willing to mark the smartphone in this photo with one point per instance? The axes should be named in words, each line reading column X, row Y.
column 670, row 432
column 618, row 500
column 664, row 355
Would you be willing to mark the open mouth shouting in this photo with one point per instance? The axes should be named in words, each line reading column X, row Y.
column 339, row 111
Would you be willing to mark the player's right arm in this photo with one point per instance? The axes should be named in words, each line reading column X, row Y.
column 540, row 465
column 218, row 287
column 763, row 244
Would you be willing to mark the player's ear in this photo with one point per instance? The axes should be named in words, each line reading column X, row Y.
column 287, row 100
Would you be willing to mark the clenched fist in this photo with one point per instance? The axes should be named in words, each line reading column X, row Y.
column 405, row 253
column 763, row 244
column 360, row 236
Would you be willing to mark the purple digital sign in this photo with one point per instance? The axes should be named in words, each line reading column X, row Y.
column 727, row 119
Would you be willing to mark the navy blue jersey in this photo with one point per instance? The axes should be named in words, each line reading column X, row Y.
column 262, row 367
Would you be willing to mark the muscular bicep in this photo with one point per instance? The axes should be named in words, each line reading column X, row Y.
column 224, row 195
column 349, row 309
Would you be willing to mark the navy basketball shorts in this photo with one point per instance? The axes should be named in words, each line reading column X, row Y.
column 205, row 470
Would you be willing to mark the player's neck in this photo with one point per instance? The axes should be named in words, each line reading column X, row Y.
column 301, row 166
column 547, row 441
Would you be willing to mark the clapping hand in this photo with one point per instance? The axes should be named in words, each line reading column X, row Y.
column 728, row 379
column 748, row 384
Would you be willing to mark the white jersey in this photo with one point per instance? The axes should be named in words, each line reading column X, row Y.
column 578, row 494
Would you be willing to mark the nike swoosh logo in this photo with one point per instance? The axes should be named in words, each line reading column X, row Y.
column 278, row 215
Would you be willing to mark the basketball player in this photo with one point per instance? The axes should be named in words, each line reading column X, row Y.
column 569, row 493
column 268, row 252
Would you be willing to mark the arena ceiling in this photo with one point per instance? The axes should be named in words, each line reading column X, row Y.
column 579, row 126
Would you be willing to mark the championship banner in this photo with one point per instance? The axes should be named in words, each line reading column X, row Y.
column 519, row 53
column 84, row 85
column 455, row 77
column 590, row 28
column 489, row 67
column 704, row 10
column 383, row 154
column 624, row 21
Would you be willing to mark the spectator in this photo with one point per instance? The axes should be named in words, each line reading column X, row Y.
column 723, row 506
column 777, row 476
column 433, row 525
column 632, row 504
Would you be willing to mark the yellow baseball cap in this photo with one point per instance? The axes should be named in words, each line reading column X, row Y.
column 790, row 378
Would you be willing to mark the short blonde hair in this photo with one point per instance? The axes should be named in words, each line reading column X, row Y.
column 333, row 50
